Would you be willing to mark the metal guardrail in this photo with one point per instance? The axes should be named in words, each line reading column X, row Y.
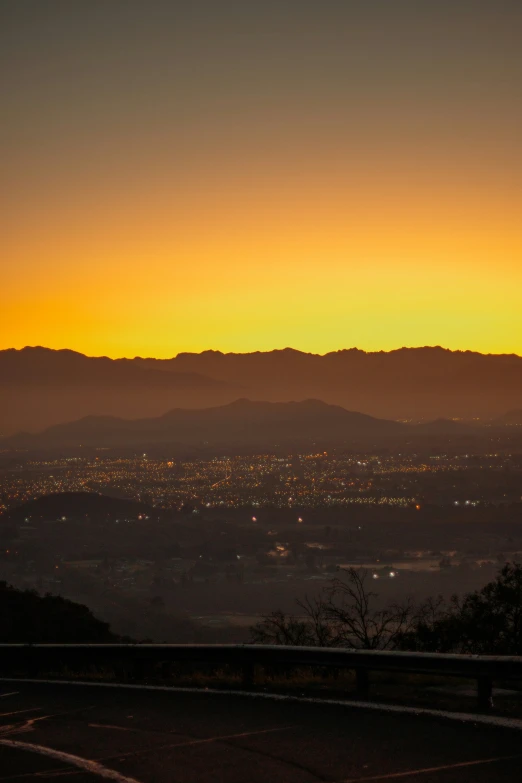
column 31, row 660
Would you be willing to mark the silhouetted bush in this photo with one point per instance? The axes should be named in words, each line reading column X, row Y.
column 26, row 617
column 487, row 621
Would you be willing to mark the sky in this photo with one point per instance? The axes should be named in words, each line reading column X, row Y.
column 251, row 175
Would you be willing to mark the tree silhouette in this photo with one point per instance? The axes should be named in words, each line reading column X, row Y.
column 26, row 617
column 487, row 621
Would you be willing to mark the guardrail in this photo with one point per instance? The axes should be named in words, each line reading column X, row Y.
column 32, row 660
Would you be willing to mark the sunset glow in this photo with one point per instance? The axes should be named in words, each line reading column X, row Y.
column 179, row 190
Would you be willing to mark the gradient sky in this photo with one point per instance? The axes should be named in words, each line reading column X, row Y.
column 258, row 174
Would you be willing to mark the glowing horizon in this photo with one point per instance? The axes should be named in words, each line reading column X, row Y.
column 267, row 350
column 250, row 179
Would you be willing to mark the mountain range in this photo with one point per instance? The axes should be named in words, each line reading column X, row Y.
column 40, row 387
column 243, row 423
column 240, row 423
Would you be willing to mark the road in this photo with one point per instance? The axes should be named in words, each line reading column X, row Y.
column 88, row 733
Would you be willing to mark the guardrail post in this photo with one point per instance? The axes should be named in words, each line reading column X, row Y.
column 33, row 669
column 166, row 669
column 485, row 692
column 141, row 668
column 363, row 683
column 249, row 674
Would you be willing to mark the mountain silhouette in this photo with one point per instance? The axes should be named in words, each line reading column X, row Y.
column 511, row 418
column 419, row 383
column 241, row 423
column 41, row 387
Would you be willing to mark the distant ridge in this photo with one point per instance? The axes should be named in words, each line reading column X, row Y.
column 511, row 418
column 40, row 387
column 239, row 423
column 42, row 350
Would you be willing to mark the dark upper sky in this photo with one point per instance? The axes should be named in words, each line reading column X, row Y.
column 320, row 174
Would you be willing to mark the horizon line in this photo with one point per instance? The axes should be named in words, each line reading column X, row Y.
column 287, row 349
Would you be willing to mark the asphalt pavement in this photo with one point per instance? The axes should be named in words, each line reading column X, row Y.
column 88, row 733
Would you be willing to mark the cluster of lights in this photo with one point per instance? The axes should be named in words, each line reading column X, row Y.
column 313, row 480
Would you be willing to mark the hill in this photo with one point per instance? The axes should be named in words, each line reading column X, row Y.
column 510, row 419
column 28, row 618
column 241, row 423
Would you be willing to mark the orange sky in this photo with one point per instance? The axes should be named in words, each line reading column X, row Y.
column 254, row 181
